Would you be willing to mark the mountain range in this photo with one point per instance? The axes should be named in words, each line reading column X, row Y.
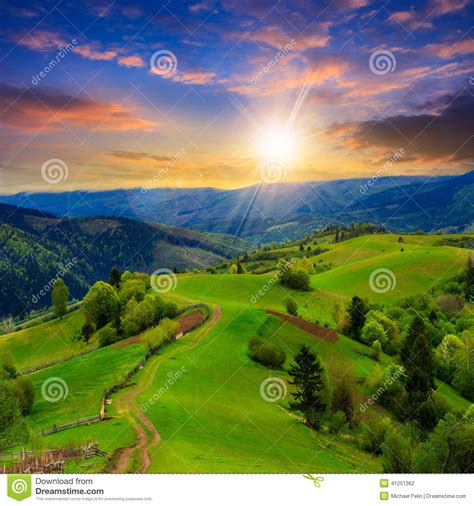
column 282, row 211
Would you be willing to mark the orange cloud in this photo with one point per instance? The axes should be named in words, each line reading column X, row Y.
column 448, row 49
column 91, row 52
column 194, row 77
column 274, row 36
column 38, row 109
column 131, row 61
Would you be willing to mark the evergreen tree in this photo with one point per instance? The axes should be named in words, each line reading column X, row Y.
column 309, row 377
column 115, row 277
column 356, row 311
column 59, row 297
column 417, row 359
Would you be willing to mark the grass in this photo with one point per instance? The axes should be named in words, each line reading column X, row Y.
column 45, row 343
column 213, row 419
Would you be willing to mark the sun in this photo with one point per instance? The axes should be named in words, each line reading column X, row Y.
column 277, row 142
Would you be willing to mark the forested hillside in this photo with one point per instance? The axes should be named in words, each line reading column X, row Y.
column 35, row 248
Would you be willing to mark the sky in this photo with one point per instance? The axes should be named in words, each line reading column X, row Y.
column 109, row 94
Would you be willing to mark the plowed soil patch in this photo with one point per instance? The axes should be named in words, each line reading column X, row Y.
column 312, row 328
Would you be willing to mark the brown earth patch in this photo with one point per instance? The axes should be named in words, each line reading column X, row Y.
column 312, row 328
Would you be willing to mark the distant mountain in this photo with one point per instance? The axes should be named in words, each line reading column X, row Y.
column 281, row 211
column 36, row 246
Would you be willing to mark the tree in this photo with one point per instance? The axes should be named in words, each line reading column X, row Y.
column 417, row 359
column 10, row 415
column 59, row 296
column 343, row 393
column 233, row 269
column 101, row 303
column 298, row 278
column 372, row 332
column 356, row 312
column 25, row 392
column 115, row 278
column 469, row 280
column 376, row 349
column 311, row 395
column 88, row 328
column 449, row 448
column 397, row 454
column 449, row 354
column 291, row 306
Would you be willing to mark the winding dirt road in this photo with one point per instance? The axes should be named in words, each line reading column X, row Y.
column 147, row 434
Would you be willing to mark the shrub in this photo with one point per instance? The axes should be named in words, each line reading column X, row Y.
column 397, row 454
column 101, row 303
column 25, row 392
column 291, row 306
column 337, row 423
column 267, row 354
column 376, row 349
column 156, row 336
column 108, row 335
column 373, row 331
column 371, row 436
column 298, row 279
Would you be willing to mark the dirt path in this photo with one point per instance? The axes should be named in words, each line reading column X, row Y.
column 145, row 441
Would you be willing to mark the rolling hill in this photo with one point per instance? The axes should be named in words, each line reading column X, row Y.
column 36, row 247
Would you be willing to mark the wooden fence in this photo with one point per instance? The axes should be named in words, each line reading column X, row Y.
column 114, row 388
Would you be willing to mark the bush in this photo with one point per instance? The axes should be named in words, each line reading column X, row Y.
column 337, row 423
column 376, row 349
column 373, row 331
column 101, row 303
column 298, row 279
column 371, row 437
column 108, row 335
column 291, row 306
column 25, row 392
column 267, row 354
column 397, row 454
column 156, row 336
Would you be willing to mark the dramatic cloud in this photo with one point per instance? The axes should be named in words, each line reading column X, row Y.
column 32, row 110
column 446, row 134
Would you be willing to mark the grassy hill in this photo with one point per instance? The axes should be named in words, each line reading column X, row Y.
column 37, row 247
column 214, row 418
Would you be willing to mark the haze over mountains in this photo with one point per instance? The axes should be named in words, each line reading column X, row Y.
column 267, row 212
